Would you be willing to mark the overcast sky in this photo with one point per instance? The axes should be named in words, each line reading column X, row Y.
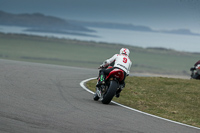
column 157, row 14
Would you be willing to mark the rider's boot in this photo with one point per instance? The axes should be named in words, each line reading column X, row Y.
column 118, row 92
column 121, row 86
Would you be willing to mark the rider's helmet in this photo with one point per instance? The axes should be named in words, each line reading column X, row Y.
column 124, row 51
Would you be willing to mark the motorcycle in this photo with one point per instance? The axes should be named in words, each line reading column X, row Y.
column 107, row 91
column 195, row 72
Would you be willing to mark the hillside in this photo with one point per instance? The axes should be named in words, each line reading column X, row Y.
column 113, row 26
column 132, row 27
column 38, row 21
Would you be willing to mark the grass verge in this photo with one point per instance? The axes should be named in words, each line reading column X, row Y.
column 92, row 54
column 174, row 99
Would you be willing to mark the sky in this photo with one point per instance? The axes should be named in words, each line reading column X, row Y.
column 157, row 14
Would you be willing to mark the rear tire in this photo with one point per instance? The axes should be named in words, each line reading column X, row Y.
column 110, row 93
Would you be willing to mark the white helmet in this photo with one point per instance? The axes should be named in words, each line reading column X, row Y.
column 124, row 51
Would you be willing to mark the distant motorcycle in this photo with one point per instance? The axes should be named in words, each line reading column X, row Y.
column 195, row 72
column 107, row 91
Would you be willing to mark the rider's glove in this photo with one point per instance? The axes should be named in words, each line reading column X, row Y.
column 101, row 66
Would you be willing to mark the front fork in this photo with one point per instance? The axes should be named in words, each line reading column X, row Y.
column 100, row 91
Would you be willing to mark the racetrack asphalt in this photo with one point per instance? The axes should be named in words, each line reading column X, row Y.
column 43, row 98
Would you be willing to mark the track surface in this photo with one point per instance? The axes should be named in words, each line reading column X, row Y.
column 41, row 98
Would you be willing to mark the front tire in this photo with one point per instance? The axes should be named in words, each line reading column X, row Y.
column 110, row 92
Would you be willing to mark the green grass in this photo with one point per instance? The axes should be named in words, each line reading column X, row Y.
column 174, row 99
column 92, row 54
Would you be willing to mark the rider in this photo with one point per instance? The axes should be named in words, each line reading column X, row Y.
column 196, row 65
column 121, row 61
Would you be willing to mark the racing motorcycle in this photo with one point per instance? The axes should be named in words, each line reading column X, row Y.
column 107, row 91
column 195, row 72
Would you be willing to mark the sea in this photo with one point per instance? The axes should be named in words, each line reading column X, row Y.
column 185, row 43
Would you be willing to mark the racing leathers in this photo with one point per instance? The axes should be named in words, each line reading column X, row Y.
column 121, row 61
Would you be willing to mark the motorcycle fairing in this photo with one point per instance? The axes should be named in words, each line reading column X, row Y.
column 117, row 73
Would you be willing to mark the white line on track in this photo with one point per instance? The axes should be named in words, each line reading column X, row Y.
column 82, row 84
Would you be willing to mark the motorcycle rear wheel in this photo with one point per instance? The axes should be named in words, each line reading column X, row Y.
column 110, row 92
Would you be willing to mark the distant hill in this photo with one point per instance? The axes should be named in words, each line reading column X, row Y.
column 132, row 27
column 181, row 31
column 38, row 21
column 113, row 26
